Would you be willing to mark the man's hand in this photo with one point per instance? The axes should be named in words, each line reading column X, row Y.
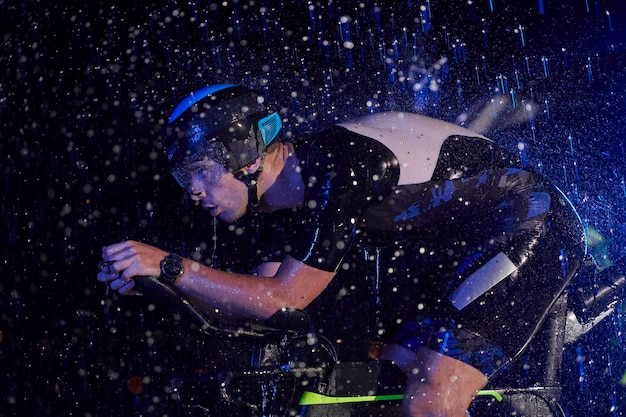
column 125, row 260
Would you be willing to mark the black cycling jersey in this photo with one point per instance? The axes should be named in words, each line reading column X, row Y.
column 484, row 246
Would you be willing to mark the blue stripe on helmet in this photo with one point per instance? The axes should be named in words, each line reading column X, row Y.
column 196, row 96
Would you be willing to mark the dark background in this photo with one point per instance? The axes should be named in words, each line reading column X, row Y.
column 86, row 87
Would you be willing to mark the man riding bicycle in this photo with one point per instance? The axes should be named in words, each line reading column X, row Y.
column 448, row 251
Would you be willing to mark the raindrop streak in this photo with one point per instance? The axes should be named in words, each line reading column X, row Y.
column 544, row 61
column 608, row 16
column 521, row 34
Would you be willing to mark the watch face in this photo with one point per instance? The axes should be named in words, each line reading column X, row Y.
column 172, row 267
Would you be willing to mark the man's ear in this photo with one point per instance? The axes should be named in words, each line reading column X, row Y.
column 253, row 167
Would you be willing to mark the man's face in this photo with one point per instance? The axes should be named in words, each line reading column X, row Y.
column 217, row 189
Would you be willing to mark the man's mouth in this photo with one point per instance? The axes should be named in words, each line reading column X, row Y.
column 210, row 208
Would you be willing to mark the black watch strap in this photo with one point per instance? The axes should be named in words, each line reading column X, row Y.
column 172, row 268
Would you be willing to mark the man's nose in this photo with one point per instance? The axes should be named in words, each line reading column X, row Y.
column 197, row 196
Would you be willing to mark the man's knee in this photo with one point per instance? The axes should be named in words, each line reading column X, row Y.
column 440, row 386
column 425, row 402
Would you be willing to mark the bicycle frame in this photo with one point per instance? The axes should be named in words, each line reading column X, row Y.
column 294, row 372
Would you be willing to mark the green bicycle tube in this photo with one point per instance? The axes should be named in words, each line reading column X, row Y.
column 312, row 398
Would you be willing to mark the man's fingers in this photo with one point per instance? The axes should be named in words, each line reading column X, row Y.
column 114, row 250
column 127, row 288
column 120, row 284
column 104, row 277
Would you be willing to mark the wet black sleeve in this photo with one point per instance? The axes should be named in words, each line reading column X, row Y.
column 344, row 173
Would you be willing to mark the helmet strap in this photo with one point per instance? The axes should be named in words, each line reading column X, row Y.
column 250, row 180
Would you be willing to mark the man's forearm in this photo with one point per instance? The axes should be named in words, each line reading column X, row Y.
column 225, row 293
column 259, row 297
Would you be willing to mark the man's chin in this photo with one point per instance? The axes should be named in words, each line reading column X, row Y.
column 230, row 217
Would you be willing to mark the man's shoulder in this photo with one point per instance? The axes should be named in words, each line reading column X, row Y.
column 333, row 140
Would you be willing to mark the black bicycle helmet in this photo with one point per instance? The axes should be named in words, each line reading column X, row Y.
column 227, row 123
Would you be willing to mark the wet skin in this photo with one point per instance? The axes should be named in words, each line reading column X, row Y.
column 292, row 284
column 217, row 190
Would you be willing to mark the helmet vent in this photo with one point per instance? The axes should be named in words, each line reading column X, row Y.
column 269, row 127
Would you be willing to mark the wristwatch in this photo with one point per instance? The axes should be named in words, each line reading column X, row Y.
column 171, row 268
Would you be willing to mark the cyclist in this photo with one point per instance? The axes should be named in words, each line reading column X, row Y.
column 460, row 250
